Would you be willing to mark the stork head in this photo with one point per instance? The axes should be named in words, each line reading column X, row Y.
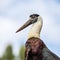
column 33, row 19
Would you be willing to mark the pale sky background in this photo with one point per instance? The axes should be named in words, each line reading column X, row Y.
column 14, row 13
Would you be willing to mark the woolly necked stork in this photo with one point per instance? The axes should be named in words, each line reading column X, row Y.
column 35, row 47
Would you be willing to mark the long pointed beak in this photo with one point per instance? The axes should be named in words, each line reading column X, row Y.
column 25, row 25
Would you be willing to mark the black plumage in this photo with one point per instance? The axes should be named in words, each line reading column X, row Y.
column 37, row 50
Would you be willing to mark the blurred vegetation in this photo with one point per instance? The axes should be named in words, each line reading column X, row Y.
column 8, row 54
column 22, row 52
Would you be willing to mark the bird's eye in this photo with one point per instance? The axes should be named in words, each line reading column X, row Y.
column 33, row 16
column 34, row 20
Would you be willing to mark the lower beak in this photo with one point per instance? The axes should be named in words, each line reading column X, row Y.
column 25, row 25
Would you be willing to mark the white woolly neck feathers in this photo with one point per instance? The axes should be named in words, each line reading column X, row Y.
column 36, row 28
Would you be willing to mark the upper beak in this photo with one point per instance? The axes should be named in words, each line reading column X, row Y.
column 25, row 25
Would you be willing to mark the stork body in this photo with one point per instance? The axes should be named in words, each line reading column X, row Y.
column 35, row 47
column 37, row 50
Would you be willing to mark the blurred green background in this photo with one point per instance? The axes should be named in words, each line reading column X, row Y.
column 8, row 54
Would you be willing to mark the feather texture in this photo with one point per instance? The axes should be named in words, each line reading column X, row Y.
column 37, row 50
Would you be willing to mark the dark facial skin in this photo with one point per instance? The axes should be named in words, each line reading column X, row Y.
column 34, row 15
